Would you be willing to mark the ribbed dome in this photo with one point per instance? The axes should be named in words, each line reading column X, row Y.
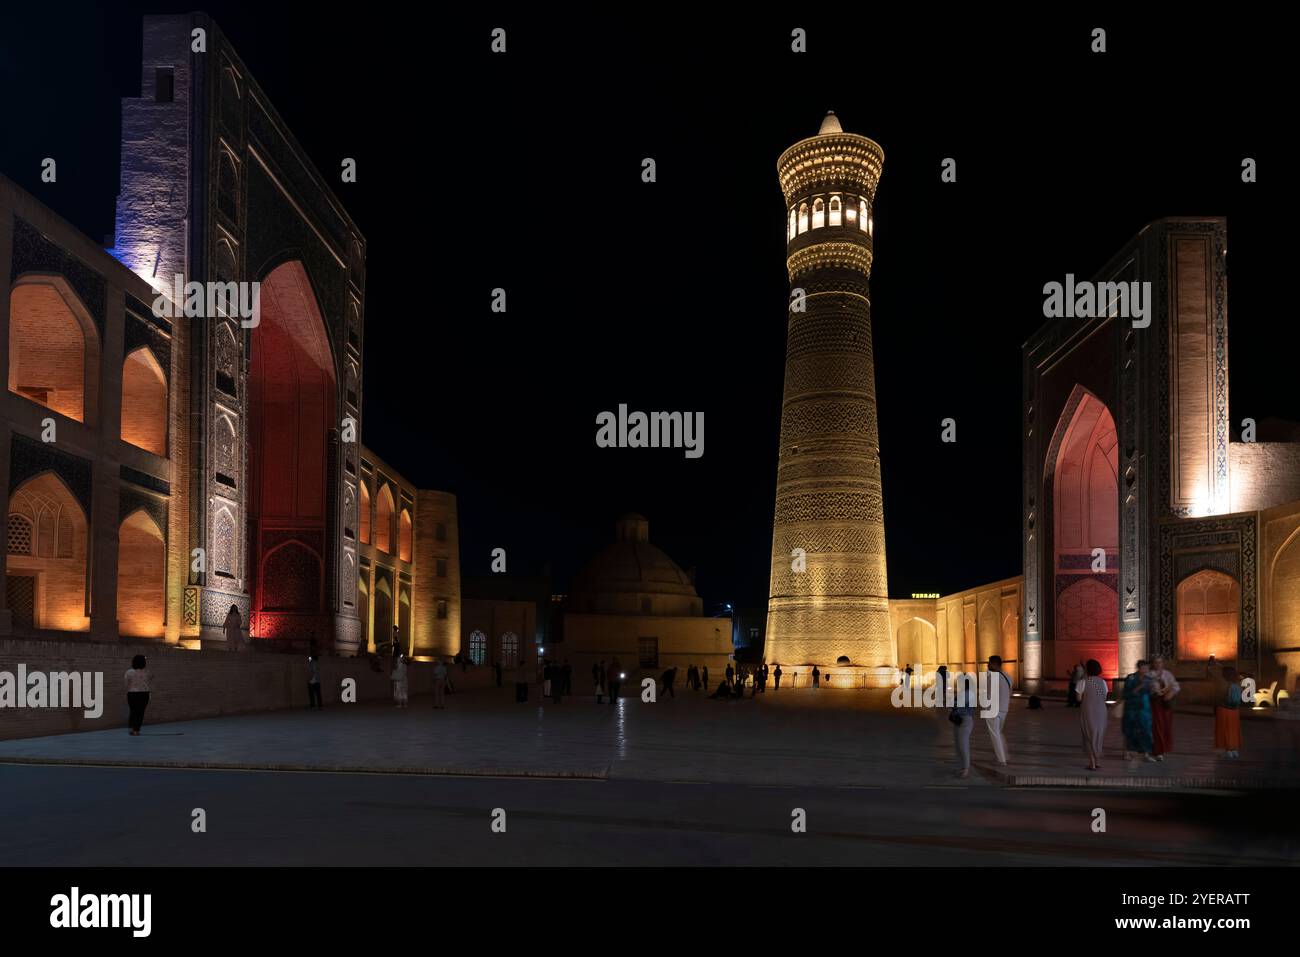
column 633, row 577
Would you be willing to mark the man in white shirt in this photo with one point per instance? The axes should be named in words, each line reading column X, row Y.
column 1002, row 682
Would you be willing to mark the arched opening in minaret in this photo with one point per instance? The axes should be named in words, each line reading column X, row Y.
column 291, row 411
column 1083, row 478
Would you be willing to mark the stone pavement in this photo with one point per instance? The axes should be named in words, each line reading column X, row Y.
column 783, row 739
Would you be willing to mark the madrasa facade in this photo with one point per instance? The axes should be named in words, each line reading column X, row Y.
column 171, row 456
column 1151, row 524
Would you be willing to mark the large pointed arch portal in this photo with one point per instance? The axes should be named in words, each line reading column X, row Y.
column 291, row 398
column 1082, row 479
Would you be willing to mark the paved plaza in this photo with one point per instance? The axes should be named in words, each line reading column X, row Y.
column 687, row 781
column 801, row 737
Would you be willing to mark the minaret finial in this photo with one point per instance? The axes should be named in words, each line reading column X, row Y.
column 830, row 124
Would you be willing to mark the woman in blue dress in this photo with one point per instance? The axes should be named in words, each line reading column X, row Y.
column 1136, row 723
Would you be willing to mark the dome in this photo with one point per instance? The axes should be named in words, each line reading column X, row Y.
column 830, row 124
column 633, row 577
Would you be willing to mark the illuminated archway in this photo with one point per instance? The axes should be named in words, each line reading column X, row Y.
column 383, row 531
column 918, row 645
column 141, row 577
column 45, row 582
column 404, row 536
column 1208, row 605
column 144, row 402
column 291, row 400
column 53, row 347
column 1084, row 482
column 364, row 513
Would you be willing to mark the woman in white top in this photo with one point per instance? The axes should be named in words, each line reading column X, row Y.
column 400, row 685
column 1092, row 713
column 137, row 692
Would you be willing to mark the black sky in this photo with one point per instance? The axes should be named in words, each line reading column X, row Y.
column 523, row 171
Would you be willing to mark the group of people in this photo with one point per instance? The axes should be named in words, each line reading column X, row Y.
column 965, row 709
column 1145, row 710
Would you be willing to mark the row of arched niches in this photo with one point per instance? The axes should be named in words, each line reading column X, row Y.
column 832, row 209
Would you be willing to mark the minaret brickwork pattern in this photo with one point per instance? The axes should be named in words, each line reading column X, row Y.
column 828, row 492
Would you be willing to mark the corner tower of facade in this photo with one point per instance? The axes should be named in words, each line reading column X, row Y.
column 828, row 597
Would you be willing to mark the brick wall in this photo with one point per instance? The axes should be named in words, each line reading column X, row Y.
column 196, row 684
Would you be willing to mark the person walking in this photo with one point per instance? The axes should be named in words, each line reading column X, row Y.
column 762, row 684
column 1091, row 694
column 439, row 684
column 731, row 674
column 705, row 678
column 548, row 674
column 566, row 677
column 1227, row 708
column 1164, row 687
column 313, row 684
column 233, row 630
column 776, row 678
column 1136, row 721
column 496, row 668
column 962, row 717
column 817, row 677
column 615, row 679
column 598, row 678
column 595, row 672
column 668, row 678
column 1002, row 682
column 138, row 682
column 400, row 686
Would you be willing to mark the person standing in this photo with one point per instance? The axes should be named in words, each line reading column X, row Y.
column 705, row 678
column 598, row 678
column 731, row 674
column 138, row 681
column 313, row 684
column 1002, row 682
column 941, row 680
column 669, row 676
column 548, row 674
column 776, row 678
column 1091, row 694
column 566, row 677
column 1227, row 708
column 595, row 672
column 762, row 685
column 496, row 667
column 615, row 676
column 1164, row 686
column 439, row 684
column 962, row 717
column 557, row 683
column 817, row 677
column 233, row 629
column 1136, row 722
column 1072, row 679
column 400, row 687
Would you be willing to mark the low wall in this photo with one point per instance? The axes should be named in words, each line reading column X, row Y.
column 196, row 684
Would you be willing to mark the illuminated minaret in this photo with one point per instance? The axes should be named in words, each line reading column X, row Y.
column 828, row 597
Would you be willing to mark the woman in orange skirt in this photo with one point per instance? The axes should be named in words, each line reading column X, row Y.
column 1227, row 715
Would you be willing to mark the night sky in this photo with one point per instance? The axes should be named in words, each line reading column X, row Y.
column 523, row 171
